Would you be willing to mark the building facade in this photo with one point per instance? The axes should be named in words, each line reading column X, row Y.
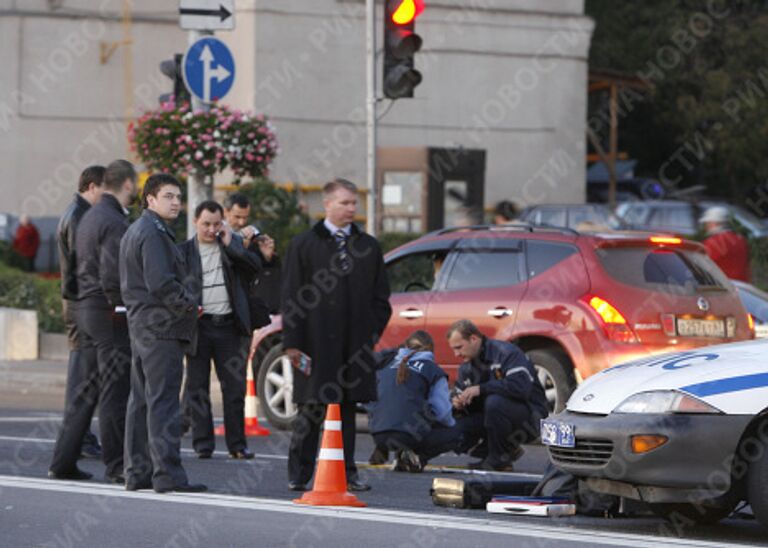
column 508, row 77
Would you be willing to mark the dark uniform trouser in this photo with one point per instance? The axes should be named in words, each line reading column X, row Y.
column 306, row 433
column 82, row 395
column 76, row 353
column 437, row 441
column 504, row 423
column 227, row 347
column 153, row 426
column 109, row 333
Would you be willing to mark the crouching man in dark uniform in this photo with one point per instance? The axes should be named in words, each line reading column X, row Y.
column 220, row 269
column 161, row 315
column 500, row 394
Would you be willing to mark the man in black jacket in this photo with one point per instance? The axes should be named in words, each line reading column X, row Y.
column 78, row 400
column 499, row 395
column 219, row 268
column 162, row 314
column 335, row 307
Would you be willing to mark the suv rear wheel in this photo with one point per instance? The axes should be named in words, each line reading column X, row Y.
column 555, row 373
column 275, row 388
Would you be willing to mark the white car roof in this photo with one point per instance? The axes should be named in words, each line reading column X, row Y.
column 732, row 377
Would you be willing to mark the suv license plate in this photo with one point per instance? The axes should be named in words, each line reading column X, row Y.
column 558, row 434
column 700, row 328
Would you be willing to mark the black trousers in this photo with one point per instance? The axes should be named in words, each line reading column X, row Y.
column 439, row 440
column 504, row 424
column 82, row 395
column 153, row 426
column 224, row 344
column 76, row 353
column 109, row 333
column 302, row 453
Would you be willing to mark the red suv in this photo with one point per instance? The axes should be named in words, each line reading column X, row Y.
column 575, row 302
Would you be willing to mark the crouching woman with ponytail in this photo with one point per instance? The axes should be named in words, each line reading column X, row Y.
column 413, row 415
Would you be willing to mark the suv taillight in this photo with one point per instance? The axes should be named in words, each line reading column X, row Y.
column 614, row 324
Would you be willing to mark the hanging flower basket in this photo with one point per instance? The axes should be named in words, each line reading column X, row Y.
column 177, row 140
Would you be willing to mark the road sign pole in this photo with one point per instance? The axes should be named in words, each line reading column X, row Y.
column 199, row 187
column 373, row 192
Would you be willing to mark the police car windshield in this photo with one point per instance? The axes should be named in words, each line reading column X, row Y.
column 668, row 270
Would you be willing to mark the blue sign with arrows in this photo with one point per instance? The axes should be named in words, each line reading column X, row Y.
column 209, row 69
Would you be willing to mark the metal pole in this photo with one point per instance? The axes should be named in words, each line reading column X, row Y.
column 373, row 193
column 198, row 189
column 613, row 146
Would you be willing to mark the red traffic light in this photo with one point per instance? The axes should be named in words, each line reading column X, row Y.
column 407, row 11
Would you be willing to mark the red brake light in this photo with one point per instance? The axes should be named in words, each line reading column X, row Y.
column 669, row 240
column 407, row 11
column 614, row 324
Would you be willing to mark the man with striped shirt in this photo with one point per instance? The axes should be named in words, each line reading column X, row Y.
column 220, row 269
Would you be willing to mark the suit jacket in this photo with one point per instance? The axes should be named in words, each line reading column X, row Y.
column 98, row 250
column 66, row 243
column 238, row 265
column 335, row 317
column 153, row 278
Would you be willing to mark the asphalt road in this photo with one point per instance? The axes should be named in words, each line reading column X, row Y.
column 249, row 505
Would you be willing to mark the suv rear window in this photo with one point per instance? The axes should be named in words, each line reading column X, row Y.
column 676, row 271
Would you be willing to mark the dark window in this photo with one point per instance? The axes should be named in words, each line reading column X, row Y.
column 551, row 216
column 478, row 269
column 415, row 272
column 672, row 217
column 673, row 271
column 544, row 255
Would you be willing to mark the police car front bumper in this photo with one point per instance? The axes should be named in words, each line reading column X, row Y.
column 696, row 458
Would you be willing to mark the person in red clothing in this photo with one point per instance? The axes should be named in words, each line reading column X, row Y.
column 27, row 241
column 728, row 249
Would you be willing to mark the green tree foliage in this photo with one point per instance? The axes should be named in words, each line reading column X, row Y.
column 705, row 119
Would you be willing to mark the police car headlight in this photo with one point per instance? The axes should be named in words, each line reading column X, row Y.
column 664, row 401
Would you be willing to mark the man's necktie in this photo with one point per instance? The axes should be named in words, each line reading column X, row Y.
column 341, row 245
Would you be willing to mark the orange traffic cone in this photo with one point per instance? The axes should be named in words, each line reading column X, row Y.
column 252, row 427
column 330, row 487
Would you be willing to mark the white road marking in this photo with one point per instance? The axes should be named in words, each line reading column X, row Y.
column 415, row 519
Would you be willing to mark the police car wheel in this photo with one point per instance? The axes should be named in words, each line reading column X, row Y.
column 757, row 477
column 555, row 373
column 700, row 513
column 275, row 388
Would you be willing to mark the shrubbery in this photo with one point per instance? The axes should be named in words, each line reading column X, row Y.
column 31, row 292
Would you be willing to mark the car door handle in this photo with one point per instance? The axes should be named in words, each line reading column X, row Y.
column 412, row 314
column 500, row 312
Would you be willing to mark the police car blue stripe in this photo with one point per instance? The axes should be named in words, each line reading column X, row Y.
column 723, row 386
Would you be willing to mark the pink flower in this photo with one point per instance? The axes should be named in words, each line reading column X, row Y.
column 182, row 148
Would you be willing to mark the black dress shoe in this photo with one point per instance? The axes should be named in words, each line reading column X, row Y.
column 204, row 454
column 131, row 485
column 117, row 479
column 297, row 486
column 242, row 454
column 75, row 474
column 186, row 488
column 90, row 452
column 357, row 485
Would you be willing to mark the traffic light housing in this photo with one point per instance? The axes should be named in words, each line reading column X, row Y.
column 172, row 69
column 400, row 45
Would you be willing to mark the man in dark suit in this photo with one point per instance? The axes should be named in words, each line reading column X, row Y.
column 335, row 306
column 81, row 394
column 162, row 314
column 220, row 269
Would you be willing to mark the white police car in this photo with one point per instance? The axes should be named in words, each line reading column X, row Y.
column 686, row 432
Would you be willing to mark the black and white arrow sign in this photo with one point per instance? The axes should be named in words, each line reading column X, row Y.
column 207, row 14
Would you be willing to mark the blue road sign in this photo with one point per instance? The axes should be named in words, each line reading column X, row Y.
column 209, row 69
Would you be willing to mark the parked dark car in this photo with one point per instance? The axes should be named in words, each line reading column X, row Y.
column 575, row 303
column 575, row 216
column 680, row 217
